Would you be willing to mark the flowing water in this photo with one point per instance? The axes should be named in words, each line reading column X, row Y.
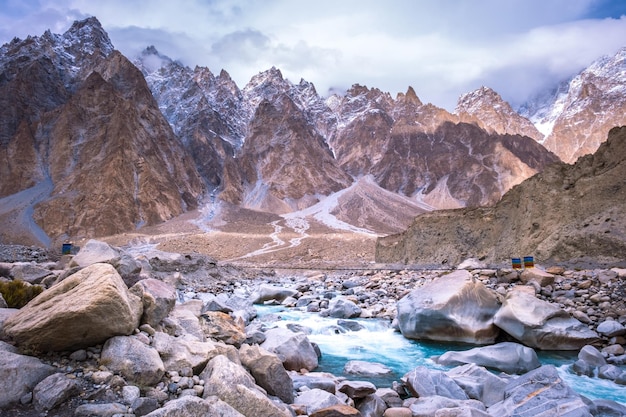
column 378, row 342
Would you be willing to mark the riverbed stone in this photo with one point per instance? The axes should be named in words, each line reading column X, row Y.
column 317, row 399
column 194, row 406
column 508, row 357
column 268, row 371
column 478, row 383
column 591, row 355
column 540, row 392
column 398, row 412
column 540, row 324
column 266, row 292
column 371, row 406
column 340, row 410
column 158, row 299
column 100, row 410
column 294, row 349
column 84, row 310
column 19, row 374
column 453, row 307
column 310, row 380
column 537, row 275
column 343, row 308
column 609, row 408
column 424, row 382
column 54, row 390
column 366, row 369
column 611, row 328
column 356, row 389
column 133, row 359
column 222, row 327
column 184, row 351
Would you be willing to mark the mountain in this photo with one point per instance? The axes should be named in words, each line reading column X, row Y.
column 85, row 149
column 577, row 115
column 574, row 213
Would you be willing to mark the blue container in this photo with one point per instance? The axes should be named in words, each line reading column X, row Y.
column 529, row 262
column 66, row 249
column 516, row 263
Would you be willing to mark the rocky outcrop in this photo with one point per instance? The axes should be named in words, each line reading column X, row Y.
column 102, row 307
column 566, row 213
column 451, row 308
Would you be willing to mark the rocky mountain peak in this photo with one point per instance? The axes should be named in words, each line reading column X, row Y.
column 409, row 97
column 88, row 37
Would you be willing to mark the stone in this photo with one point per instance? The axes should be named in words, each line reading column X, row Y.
column 591, row 355
column 312, row 380
column 158, row 300
column 95, row 251
column 53, row 391
column 540, row 392
column 542, row 325
column 390, row 397
column 294, row 349
column 231, row 383
column 609, row 408
column 130, row 393
column 478, row 383
column 84, row 310
column 371, row 406
column 267, row 292
column 462, row 411
column 19, row 374
column 343, row 308
column 508, row 357
column 222, row 327
column 143, row 405
column 340, row 410
column 537, row 275
column 184, row 351
column 611, row 328
column 398, row 412
column 3, row 303
column 356, row 389
column 268, row 372
column 611, row 372
column 7, row 347
column 428, row 406
column 100, row 410
column 366, row 369
column 30, row 272
column 351, row 325
column 424, row 382
column 317, row 399
column 132, row 359
column 79, row 355
column 452, row 308
column 184, row 322
column 194, row 406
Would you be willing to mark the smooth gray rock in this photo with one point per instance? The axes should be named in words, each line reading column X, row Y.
column 100, row 410
column 19, row 374
column 453, row 308
column 356, row 389
column 95, row 251
column 542, row 325
column 184, row 351
column 611, row 328
column 371, row 406
column 294, row 349
column 429, row 405
column 478, row 383
column 508, row 357
column 134, row 360
column 343, row 308
column 53, row 391
column 591, row 355
column 609, row 408
column 312, row 380
column 540, row 392
column 317, row 399
column 424, row 382
column 143, row 405
column 130, row 393
column 366, row 369
column 158, row 300
column 194, row 406
column 266, row 292
column 30, row 272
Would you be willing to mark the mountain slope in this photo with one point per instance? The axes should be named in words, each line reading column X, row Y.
column 566, row 213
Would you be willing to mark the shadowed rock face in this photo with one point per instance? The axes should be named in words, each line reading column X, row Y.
column 566, row 213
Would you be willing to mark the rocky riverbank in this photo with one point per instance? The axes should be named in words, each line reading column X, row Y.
column 144, row 332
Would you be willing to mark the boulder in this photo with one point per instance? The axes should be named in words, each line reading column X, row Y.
column 100, row 410
column 540, row 392
column 371, row 406
column 95, row 251
column 542, row 325
column 424, row 382
column 398, row 412
column 339, row 410
column 144, row 405
column 294, row 349
column 356, row 389
column 367, row 369
column 267, row 292
column 343, row 308
column 158, row 300
column 53, row 391
column 317, row 399
column 268, row 371
column 428, row 406
column 183, row 352
column 30, row 272
column 231, row 383
column 19, row 374
column 461, row 411
column 611, row 328
column 133, row 359
column 453, row 307
column 508, row 357
column 537, row 275
column 478, row 383
column 592, row 356
column 222, row 327
column 84, row 310
column 5, row 313
column 183, row 321
column 320, row 380
column 194, row 406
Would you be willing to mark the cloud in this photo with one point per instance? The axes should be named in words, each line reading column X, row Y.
column 443, row 49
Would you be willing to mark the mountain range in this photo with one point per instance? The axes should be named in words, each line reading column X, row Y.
column 93, row 143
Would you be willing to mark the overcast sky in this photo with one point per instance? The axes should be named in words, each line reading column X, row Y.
column 442, row 48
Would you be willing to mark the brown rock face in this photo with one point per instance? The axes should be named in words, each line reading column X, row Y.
column 566, row 213
column 83, row 310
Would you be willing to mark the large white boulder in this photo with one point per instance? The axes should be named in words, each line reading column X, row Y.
column 83, row 310
column 294, row 349
column 133, row 359
column 452, row 308
column 542, row 325
column 508, row 357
